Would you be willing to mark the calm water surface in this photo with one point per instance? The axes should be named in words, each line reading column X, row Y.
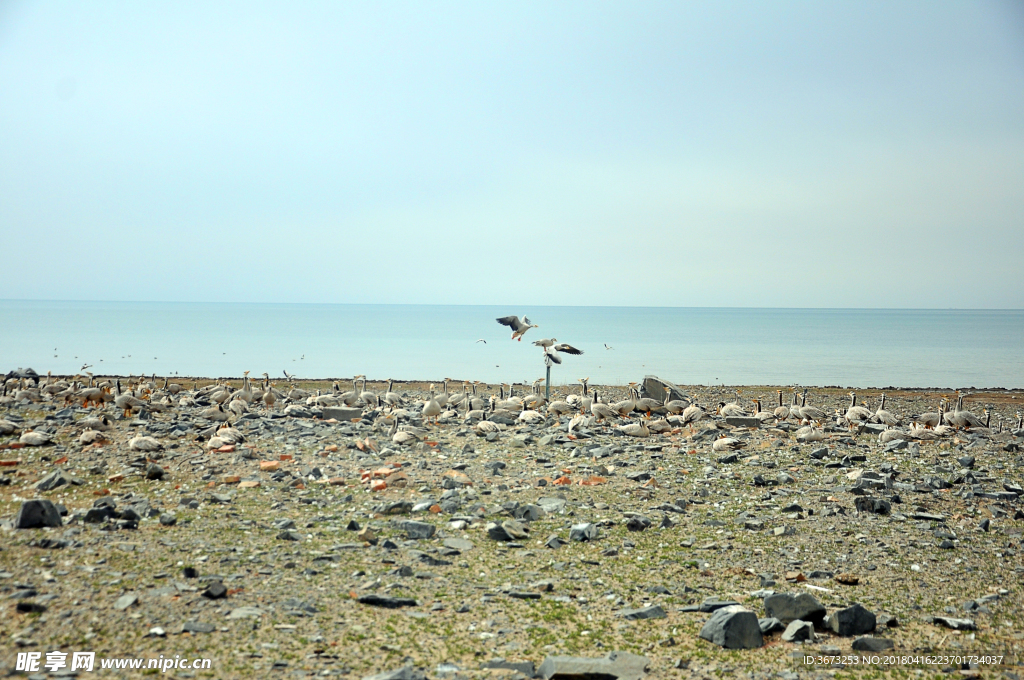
column 858, row 348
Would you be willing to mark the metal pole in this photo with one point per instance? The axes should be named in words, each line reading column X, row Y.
column 547, row 386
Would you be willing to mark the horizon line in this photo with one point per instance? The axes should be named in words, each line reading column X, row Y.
column 433, row 304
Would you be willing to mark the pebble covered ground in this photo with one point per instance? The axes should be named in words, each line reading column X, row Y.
column 322, row 547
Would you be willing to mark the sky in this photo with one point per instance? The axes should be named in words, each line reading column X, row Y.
column 782, row 154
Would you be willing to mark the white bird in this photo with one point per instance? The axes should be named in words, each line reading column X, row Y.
column 809, row 433
column 431, row 409
column 518, row 326
column 883, row 416
column 724, row 443
column 482, row 340
column 600, row 410
column 101, row 424
column 639, row 429
column 230, row 435
column 529, row 415
column 691, row 414
column 144, row 443
column 857, row 414
column 91, row 436
column 607, row 347
column 783, row 412
column 731, row 409
column 32, row 438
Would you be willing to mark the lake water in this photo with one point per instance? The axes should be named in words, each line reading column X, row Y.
column 731, row 346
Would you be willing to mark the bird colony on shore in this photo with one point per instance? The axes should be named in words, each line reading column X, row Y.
column 408, row 414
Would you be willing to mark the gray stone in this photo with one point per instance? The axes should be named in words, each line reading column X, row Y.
column 524, row 667
column 37, row 513
column 877, row 506
column 786, row 607
column 652, row 612
column 733, row 628
column 283, row 524
column 955, row 624
column 713, row 604
column 342, row 414
column 552, row 504
column 53, row 480
column 615, row 666
column 289, row 536
column 154, row 471
column 375, row 600
column 509, row 530
column 656, row 388
column 854, row 620
column 798, row 631
column 98, row 514
column 215, row 591
column 872, row 644
column 740, row 421
column 418, row 530
column 403, row 673
column 458, row 544
column 168, row 519
column 528, row 512
column 126, row 600
column 770, row 625
column 197, row 627
column 583, row 532
column 245, row 613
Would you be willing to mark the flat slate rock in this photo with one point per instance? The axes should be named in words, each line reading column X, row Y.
column 653, row 612
column 387, row 602
column 458, row 544
column 245, row 613
column 615, row 666
column 403, row 673
column 955, row 624
column 872, row 644
column 713, row 604
column 126, row 600
column 197, row 627
column 525, row 667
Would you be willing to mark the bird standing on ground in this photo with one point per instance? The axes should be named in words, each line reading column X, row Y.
column 518, row 326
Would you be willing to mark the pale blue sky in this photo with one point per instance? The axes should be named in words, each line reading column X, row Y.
column 796, row 154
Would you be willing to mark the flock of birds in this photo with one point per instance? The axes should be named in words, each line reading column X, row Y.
column 638, row 415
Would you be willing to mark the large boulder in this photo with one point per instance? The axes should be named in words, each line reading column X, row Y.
column 656, row 388
column 37, row 513
column 733, row 627
column 786, row 607
column 854, row 620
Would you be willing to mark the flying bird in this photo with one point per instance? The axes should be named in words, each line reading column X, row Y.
column 607, row 347
column 551, row 352
column 482, row 340
column 286, row 376
column 518, row 326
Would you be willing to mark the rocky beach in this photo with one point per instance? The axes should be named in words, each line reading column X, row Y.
column 319, row 535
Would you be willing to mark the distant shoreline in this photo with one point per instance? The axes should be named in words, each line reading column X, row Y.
column 456, row 384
